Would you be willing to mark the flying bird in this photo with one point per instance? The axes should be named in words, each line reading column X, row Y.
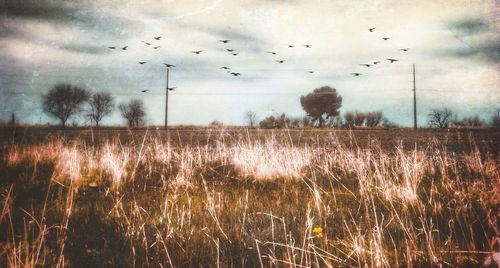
column 308, row 46
column 311, row 72
column 112, row 47
column 229, row 50
column 168, row 65
column 156, row 47
column 404, row 49
column 144, row 91
column 197, row 52
column 376, row 62
column 392, row 60
column 224, row 68
column 356, row 74
column 235, row 74
column 371, row 29
column 280, row 61
column 224, row 41
column 157, row 37
column 234, row 54
column 290, row 45
column 271, row 52
column 171, row 88
column 367, row 65
column 124, row 48
column 146, row 43
column 385, row 38
column 142, row 62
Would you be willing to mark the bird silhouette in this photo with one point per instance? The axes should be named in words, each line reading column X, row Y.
column 271, row 52
column 308, row 46
column 112, row 47
column 376, row 62
column 311, row 72
column 229, row 50
column 367, row 65
column 234, row 54
column 157, row 37
column 404, row 49
column 224, row 41
column 124, row 48
column 144, row 91
column 392, row 60
column 156, row 47
column 168, row 65
column 371, row 29
column 146, row 43
column 224, row 68
column 385, row 38
column 142, row 62
column 171, row 88
column 290, row 45
column 356, row 74
column 280, row 61
column 235, row 74
column 197, row 52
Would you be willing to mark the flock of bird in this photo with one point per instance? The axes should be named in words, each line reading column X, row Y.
column 235, row 53
column 391, row 60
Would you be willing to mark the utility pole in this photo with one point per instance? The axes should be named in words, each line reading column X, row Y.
column 166, row 102
column 414, row 101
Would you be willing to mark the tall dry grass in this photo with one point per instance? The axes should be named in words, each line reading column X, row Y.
column 252, row 202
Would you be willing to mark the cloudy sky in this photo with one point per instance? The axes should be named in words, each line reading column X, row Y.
column 454, row 45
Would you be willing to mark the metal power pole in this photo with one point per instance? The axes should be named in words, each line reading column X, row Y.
column 414, row 101
column 166, row 102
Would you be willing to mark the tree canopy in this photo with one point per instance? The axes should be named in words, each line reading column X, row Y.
column 101, row 104
column 323, row 101
column 133, row 112
column 63, row 101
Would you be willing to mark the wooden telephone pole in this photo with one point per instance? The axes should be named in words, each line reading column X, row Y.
column 166, row 102
column 414, row 101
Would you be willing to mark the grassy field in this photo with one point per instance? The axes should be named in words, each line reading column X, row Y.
column 247, row 197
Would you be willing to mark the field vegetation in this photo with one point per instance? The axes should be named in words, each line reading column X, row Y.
column 247, row 198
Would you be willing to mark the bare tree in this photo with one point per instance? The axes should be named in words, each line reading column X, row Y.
column 349, row 119
column 63, row 101
column 359, row 119
column 251, row 118
column 373, row 119
column 101, row 104
column 323, row 101
column 133, row 112
column 440, row 118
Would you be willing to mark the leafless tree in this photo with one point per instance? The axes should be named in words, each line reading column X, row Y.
column 133, row 112
column 251, row 118
column 359, row 119
column 440, row 118
column 373, row 119
column 349, row 119
column 101, row 104
column 63, row 101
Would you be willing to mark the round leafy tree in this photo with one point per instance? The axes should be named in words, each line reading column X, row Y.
column 321, row 104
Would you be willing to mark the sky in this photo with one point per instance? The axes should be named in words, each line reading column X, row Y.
column 455, row 46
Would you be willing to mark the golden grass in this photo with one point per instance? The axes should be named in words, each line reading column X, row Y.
column 252, row 202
